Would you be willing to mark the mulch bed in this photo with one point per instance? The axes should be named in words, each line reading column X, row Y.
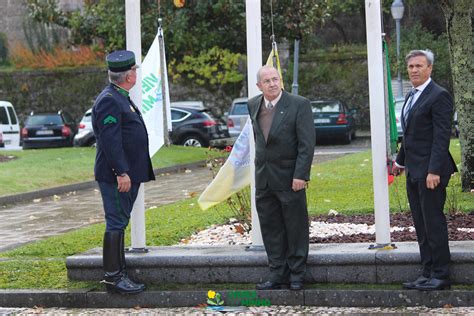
column 463, row 220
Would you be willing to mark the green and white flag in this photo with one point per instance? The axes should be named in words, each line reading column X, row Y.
column 152, row 95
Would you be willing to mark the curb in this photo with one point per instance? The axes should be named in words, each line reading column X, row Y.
column 309, row 297
column 21, row 197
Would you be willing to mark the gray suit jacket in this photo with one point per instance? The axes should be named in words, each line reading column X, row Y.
column 288, row 152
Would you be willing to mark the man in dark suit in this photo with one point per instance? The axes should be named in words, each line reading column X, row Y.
column 284, row 143
column 424, row 154
column 122, row 164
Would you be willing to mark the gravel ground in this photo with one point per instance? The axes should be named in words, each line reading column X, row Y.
column 272, row 310
column 338, row 229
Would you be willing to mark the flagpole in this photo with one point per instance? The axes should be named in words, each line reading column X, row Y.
column 254, row 62
column 134, row 44
column 164, row 91
column 377, row 122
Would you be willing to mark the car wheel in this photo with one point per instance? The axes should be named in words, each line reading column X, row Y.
column 193, row 141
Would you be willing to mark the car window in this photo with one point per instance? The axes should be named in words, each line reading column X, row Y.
column 240, row 109
column 3, row 115
column 326, row 107
column 178, row 115
column 44, row 120
column 12, row 115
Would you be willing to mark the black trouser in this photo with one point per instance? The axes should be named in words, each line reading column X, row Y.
column 283, row 219
column 430, row 223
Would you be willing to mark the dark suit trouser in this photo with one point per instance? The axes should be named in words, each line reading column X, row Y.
column 283, row 219
column 430, row 223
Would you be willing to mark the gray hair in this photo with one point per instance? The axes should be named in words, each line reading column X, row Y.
column 259, row 72
column 118, row 77
column 420, row 52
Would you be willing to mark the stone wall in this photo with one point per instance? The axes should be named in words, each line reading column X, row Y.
column 72, row 90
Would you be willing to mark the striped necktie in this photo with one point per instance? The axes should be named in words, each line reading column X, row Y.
column 410, row 104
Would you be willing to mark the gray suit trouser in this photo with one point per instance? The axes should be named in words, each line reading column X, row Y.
column 284, row 223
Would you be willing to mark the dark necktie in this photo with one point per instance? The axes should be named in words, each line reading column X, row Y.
column 269, row 106
column 410, row 104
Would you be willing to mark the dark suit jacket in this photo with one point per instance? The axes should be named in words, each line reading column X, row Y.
column 426, row 135
column 122, row 139
column 288, row 152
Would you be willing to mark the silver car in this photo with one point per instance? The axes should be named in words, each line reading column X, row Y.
column 237, row 116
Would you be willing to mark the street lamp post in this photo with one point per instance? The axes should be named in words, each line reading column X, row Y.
column 397, row 9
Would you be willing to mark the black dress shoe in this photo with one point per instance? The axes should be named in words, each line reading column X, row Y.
column 412, row 285
column 269, row 285
column 296, row 286
column 434, row 284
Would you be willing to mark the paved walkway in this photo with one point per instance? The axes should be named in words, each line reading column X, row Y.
column 34, row 220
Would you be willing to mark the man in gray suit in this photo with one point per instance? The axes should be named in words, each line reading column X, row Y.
column 284, row 143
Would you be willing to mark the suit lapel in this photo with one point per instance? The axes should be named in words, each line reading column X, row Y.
column 280, row 112
column 419, row 102
column 402, row 116
column 259, row 102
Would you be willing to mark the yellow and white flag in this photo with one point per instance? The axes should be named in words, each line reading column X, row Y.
column 274, row 61
column 233, row 176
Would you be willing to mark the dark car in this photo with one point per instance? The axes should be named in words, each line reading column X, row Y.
column 198, row 127
column 333, row 120
column 48, row 130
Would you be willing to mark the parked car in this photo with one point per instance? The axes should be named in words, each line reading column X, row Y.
column 9, row 125
column 333, row 120
column 237, row 116
column 199, row 105
column 2, row 144
column 398, row 115
column 198, row 128
column 48, row 130
column 85, row 135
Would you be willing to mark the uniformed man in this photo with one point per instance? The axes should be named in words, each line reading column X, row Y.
column 122, row 163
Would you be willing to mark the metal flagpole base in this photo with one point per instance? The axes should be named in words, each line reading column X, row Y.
column 254, row 248
column 382, row 247
column 136, row 250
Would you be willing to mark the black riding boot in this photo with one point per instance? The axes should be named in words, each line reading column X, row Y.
column 114, row 278
column 123, row 263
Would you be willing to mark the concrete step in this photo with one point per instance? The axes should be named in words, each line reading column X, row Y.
column 327, row 263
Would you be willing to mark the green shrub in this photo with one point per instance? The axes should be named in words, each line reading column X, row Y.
column 3, row 48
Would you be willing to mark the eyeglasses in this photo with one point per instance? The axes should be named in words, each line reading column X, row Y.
column 272, row 80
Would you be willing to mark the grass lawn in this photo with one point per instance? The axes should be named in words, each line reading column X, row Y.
column 45, row 168
column 344, row 185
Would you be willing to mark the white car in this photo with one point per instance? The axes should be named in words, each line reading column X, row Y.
column 85, row 135
column 9, row 125
column 398, row 115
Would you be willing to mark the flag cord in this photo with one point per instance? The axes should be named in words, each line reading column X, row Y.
column 272, row 38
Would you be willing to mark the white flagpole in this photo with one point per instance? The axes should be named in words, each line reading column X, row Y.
column 134, row 44
column 254, row 62
column 377, row 122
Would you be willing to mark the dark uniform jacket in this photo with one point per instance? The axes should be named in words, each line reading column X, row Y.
column 426, row 135
column 121, row 137
column 288, row 152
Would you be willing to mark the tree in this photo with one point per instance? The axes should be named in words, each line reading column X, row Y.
column 458, row 15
